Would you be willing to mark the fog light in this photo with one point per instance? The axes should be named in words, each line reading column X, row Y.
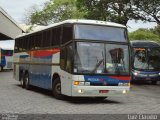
column 80, row 91
column 124, row 91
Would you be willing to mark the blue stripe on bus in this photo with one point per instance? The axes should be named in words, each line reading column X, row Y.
column 103, row 80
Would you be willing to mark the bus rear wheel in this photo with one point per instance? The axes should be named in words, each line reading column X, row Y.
column 1, row 68
column 22, row 80
column 57, row 89
column 26, row 81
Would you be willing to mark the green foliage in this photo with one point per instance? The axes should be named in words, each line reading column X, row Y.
column 119, row 11
column 144, row 34
column 54, row 11
column 148, row 10
column 156, row 30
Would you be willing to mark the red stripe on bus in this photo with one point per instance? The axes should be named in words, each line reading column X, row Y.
column 120, row 77
column 43, row 53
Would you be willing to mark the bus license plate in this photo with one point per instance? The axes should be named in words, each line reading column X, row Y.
column 103, row 91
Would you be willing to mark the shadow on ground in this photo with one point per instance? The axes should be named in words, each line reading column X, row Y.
column 139, row 83
column 73, row 100
column 6, row 70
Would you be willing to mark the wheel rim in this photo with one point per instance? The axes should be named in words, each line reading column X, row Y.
column 21, row 82
column 26, row 80
column 58, row 88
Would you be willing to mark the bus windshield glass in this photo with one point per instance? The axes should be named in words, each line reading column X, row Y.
column 147, row 58
column 100, row 58
column 105, row 33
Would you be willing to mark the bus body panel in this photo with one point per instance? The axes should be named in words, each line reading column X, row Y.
column 145, row 74
column 42, row 63
column 100, row 90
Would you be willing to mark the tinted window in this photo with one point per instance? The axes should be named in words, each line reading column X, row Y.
column 69, row 59
column 62, row 58
column 67, row 34
column 93, row 32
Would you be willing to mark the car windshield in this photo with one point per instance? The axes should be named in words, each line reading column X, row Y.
column 100, row 58
column 147, row 58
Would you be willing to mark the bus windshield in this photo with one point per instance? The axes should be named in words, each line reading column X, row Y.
column 100, row 58
column 105, row 33
column 147, row 58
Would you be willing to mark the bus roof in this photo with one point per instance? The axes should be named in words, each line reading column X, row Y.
column 144, row 43
column 77, row 21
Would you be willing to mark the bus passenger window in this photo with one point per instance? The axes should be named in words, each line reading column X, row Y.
column 69, row 58
column 62, row 58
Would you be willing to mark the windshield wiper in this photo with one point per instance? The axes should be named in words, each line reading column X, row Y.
column 97, row 65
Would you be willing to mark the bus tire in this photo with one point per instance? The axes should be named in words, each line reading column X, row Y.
column 1, row 68
column 26, row 81
column 22, row 80
column 56, row 89
column 154, row 82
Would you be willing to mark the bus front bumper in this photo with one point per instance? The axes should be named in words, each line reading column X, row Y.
column 99, row 91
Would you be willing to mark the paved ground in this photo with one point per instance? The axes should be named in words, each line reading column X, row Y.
column 143, row 98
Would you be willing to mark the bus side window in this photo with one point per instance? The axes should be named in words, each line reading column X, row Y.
column 69, row 58
column 67, row 34
column 62, row 58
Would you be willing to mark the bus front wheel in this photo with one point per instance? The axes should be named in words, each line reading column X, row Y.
column 57, row 89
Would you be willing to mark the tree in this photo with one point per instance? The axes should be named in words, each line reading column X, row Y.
column 54, row 11
column 35, row 15
column 119, row 11
column 156, row 30
column 148, row 10
column 144, row 34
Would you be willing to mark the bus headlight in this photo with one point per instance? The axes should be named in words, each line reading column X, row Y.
column 81, row 83
column 135, row 73
column 158, row 73
column 123, row 84
column 87, row 83
column 124, row 91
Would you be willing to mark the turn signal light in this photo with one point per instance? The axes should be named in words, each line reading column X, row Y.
column 76, row 83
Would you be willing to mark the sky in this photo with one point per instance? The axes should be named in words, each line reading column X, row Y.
column 17, row 9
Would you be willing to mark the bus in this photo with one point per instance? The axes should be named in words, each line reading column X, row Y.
column 146, row 61
column 77, row 58
column 6, row 58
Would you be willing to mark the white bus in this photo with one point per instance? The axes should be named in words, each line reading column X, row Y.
column 78, row 58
